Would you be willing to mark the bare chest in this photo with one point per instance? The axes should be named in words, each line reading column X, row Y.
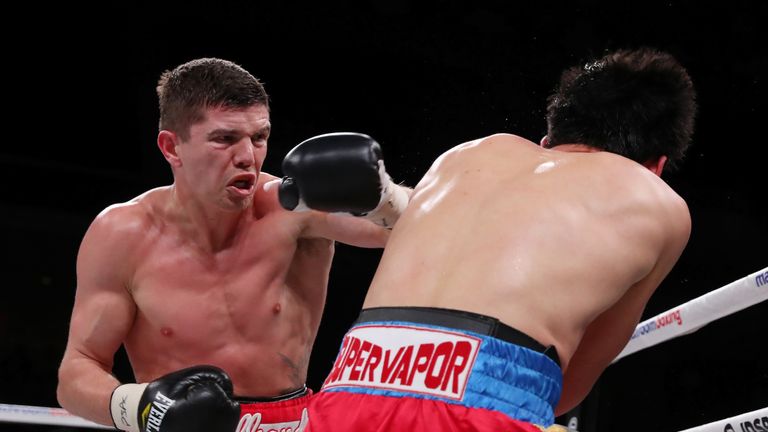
column 186, row 293
column 182, row 293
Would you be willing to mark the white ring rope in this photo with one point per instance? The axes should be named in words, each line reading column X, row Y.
column 44, row 416
column 678, row 321
column 755, row 421
column 697, row 313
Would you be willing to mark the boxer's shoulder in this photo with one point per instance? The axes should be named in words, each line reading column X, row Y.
column 490, row 148
column 265, row 199
column 131, row 219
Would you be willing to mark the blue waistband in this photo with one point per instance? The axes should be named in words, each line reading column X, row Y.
column 517, row 381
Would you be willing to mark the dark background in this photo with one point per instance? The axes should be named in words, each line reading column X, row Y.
column 80, row 124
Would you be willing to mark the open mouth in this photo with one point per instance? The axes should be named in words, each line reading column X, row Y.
column 243, row 183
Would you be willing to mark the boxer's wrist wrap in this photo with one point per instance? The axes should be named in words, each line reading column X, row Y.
column 394, row 199
column 124, row 405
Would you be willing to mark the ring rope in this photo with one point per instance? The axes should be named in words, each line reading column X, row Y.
column 691, row 316
column 752, row 421
column 44, row 416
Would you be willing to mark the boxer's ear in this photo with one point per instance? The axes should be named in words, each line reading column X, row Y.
column 167, row 142
column 656, row 165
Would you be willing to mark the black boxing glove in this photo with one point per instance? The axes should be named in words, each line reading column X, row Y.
column 193, row 399
column 341, row 172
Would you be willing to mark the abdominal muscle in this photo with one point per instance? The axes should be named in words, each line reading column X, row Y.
column 263, row 347
column 253, row 313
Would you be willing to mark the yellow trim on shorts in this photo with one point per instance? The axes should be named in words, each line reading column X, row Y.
column 553, row 428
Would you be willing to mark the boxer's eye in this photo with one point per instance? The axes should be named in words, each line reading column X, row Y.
column 225, row 139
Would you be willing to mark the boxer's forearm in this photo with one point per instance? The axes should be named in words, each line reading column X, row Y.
column 85, row 388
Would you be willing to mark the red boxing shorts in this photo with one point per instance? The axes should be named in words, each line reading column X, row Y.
column 287, row 413
column 437, row 369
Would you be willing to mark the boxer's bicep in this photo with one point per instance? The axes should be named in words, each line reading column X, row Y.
column 102, row 315
column 100, row 321
column 104, row 309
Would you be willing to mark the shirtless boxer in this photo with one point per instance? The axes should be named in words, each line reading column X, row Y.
column 518, row 271
column 214, row 289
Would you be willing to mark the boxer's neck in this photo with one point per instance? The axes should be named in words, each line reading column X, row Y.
column 210, row 227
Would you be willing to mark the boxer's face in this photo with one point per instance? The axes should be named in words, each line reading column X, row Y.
column 224, row 153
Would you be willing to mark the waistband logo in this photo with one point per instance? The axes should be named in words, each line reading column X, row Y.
column 400, row 358
column 252, row 423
